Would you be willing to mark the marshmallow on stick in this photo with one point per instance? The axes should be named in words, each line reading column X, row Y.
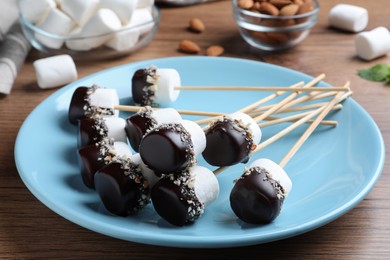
column 231, row 140
column 159, row 87
column 181, row 199
column 258, row 195
column 92, row 101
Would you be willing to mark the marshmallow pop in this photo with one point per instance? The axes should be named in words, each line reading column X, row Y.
column 92, row 101
column 146, row 119
column 171, row 148
column 94, row 130
column 181, row 199
column 258, row 195
column 95, row 156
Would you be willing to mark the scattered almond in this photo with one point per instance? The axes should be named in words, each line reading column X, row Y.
column 196, row 25
column 215, row 50
column 190, row 47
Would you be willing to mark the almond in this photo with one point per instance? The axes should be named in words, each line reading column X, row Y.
column 187, row 46
column 215, row 50
column 196, row 25
column 270, row 9
column 280, row 3
column 245, row 4
column 289, row 10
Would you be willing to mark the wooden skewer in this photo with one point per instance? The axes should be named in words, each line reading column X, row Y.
column 254, row 88
column 182, row 112
column 295, row 109
column 294, row 118
column 310, row 130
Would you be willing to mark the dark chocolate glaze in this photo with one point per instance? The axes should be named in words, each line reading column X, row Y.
column 255, row 198
column 77, row 105
column 136, row 127
column 177, row 204
column 167, row 149
column 122, row 191
column 91, row 131
column 225, row 145
column 90, row 161
column 142, row 95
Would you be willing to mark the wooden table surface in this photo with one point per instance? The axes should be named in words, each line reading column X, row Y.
column 28, row 229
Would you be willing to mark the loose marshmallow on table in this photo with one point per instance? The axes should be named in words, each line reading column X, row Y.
column 373, row 44
column 104, row 22
column 55, row 71
column 80, row 10
column 123, row 8
column 35, row 11
column 142, row 19
column 348, row 17
column 56, row 23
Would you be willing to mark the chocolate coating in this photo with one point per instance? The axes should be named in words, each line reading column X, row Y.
column 91, row 131
column 136, row 127
column 177, row 204
column 255, row 198
column 167, row 149
column 122, row 191
column 142, row 94
column 77, row 105
column 226, row 145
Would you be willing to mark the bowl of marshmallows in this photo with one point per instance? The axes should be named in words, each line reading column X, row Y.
column 89, row 29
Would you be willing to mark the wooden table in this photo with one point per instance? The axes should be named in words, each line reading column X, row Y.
column 28, row 229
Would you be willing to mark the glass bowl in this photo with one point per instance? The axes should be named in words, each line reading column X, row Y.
column 40, row 40
column 273, row 33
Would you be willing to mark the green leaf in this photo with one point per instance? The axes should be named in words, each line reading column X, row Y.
column 379, row 72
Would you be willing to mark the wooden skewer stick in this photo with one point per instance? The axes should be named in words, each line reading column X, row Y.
column 254, row 88
column 182, row 112
column 296, row 108
column 310, row 130
column 285, row 101
column 294, row 118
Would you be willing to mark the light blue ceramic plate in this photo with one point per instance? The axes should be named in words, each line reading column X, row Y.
column 331, row 173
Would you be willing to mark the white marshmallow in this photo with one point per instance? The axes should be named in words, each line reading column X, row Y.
column 80, row 10
column 205, row 183
column 198, row 137
column 348, row 17
column 55, row 71
column 166, row 115
column 123, row 8
column 105, row 98
column 116, row 128
column 122, row 149
column 56, row 23
column 145, row 3
column 124, row 39
column 252, row 125
column 167, row 80
column 373, row 44
column 146, row 171
column 97, row 29
column 142, row 20
column 36, row 11
column 276, row 173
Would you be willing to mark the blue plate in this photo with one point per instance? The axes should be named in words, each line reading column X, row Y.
column 332, row 172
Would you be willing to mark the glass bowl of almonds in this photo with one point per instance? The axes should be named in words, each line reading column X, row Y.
column 274, row 25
